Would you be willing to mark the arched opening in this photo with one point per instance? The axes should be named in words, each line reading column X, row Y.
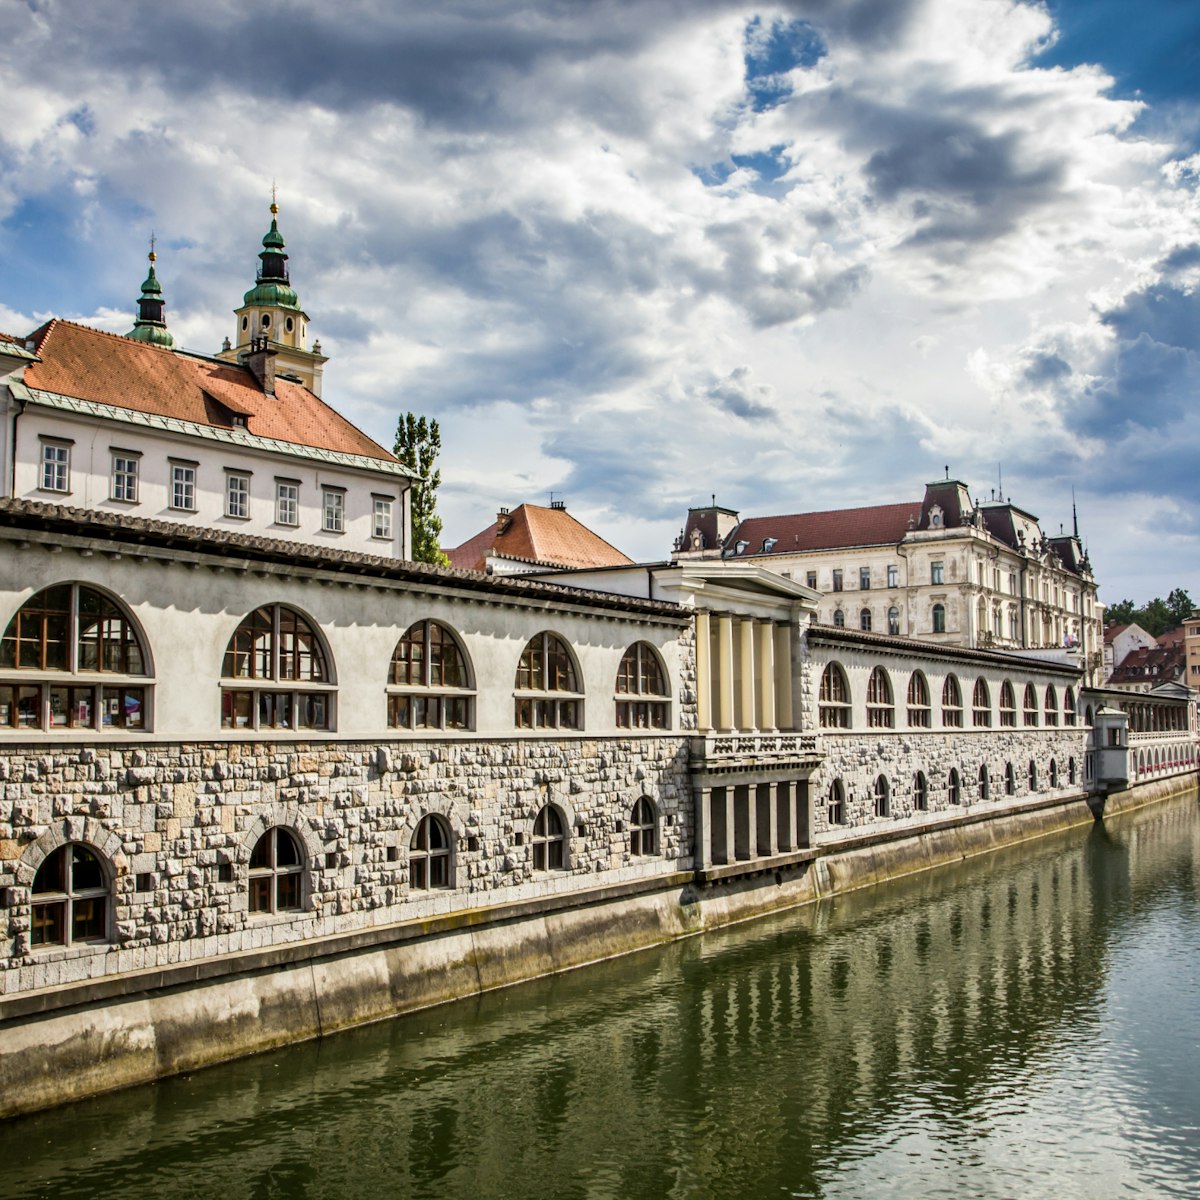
column 643, row 828
column 429, row 680
column 546, row 675
column 71, row 898
column 549, row 840
column 833, row 707
column 641, row 696
column 430, row 855
column 276, row 872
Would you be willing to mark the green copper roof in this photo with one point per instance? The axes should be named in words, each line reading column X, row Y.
column 156, row 335
column 150, row 324
column 268, row 292
column 273, row 239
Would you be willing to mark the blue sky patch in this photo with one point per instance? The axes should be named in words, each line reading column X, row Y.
column 771, row 52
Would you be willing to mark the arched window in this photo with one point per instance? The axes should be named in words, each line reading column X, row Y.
column 70, row 898
column 839, row 618
column 643, row 828
column 78, row 631
column 939, row 618
column 953, row 787
column 952, row 715
column 642, row 697
column 1010, row 780
column 920, row 792
column 880, row 713
column 985, row 783
column 834, row 705
column 549, row 841
column 1071, row 770
column 429, row 686
column 1032, row 775
column 1008, row 704
column 1054, row 773
column 1031, row 705
column 1069, row 706
column 836, row 809
column 1087, row 715
column 276, row 872
column 547, row 670
column 894, row 621
column 882, row 794
column 981, row 703
column 864, row 620
column 275, row 674
column 918, row 701
column 1051, row 705
column 430, row 863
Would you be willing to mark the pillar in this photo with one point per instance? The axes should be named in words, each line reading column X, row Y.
column 746, row 717
column 768, row 827
column 703, row 672
column 784, row 813
column 725, row 671
column 784, row 718
column 720, row 807
column 743, row 827
column 766, row 675
column 702, row 852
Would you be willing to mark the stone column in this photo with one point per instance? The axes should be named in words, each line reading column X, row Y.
column 784, row 817
column 741, row 821
column 702, row 850
column 766, row 676
column 703, row 672
column 784, row 718
column 768, row 820
column 725, row 671
column 746, row 718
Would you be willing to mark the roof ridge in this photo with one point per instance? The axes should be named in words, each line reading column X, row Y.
column 830, row 512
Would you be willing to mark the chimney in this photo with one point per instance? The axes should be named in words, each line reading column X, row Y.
column 260, row 358
column 503, row 520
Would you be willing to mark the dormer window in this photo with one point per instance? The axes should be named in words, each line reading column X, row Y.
column 741, row 547
column 238, row 421
column 935, row 517
column 769, row 544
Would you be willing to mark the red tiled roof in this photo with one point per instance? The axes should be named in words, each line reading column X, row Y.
column 878, row 525
column 1111, row 632
column 538, row 535
column 88, row 364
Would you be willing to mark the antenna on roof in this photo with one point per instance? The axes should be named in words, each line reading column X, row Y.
column 947, row 469
column 714, row 499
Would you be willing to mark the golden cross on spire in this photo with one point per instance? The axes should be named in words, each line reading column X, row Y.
column 274, row 203
column 153, row 256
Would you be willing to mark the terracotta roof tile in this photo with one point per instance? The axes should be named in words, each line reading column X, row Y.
column 878, row 525
column 106, row 368
column 538, row 535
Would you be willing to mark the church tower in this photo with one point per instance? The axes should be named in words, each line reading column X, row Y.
column 271, row 309
column 151, row 323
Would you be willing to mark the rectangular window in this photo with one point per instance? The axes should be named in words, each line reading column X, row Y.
column 383, row 518
column 837, row 581
column 237, row 496
column 183, row 487
column 125, row 478
column 936, row 572
column 333, row 511
column 287, row 503
column 811, row 579
column 864, row 578
column 56, row 467
column 893, row 576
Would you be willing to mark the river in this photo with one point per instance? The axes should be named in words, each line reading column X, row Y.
column 1026, row 1024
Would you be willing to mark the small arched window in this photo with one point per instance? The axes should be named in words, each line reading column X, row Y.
column 836, row 807
column 1031, row 705
column 981, row 703
column 939, row 618
column 1087, row 715
column 920, row 792
column 643, row 828
column 918, row 701
column 953, row 787
column 549, row 840
column 834, row 705
column 70, row 901
column 864, row 620
column 1032, row 775
column 642, row 698
column 1069, row 706
column 880, row 712
column 952, row 710
column 882, row 796
column 1008, row 704
column 546, row 674
column 893, row 616
column 1054, row 773
column 430, row 864
column 275, row 674
column 839, row 618
column 1071, row 770
column 429, row 685
column 276, row 872
column 1051, row 705
column 985, row 783
column 76, row 630
column 1010, row 780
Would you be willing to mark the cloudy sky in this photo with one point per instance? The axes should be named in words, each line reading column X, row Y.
column 801, row 255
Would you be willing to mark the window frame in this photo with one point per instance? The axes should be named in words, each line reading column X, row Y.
column 882, row 794
column 864, row 579
column 643, row 828
column 550, row 850
column 287, row 503
column 881, row 708
column 124, row 476
column 640, row 708
column 937, row 573
column 549, row 707
column 920, row 710
column 382, row 522
column 184, row 479
column 833, row 698
column 54, row 466
column 952, row 705
column 981, row 704
column 279, row 877
column 1030, row 711
column 333, row 510
column 431, row 867
column 411, row 704
column 939, row 618
column 237, row 495
column 835, row 803
column 65, row 899
column 1051, row 709
column 1008, row 705
column 920, row 792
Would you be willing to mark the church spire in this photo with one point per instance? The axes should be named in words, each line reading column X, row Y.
column 273, row 287
column 151, row 323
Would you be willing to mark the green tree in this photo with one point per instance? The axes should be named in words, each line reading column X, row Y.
column 418, row 443
column 1155, row 618
column 1121, row 613
column 1179, row 605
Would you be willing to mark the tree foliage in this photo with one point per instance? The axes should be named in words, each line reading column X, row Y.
column 418, row 443
column 1156, row 617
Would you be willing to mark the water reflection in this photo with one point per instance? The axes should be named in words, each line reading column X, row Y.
column 1024, row 1024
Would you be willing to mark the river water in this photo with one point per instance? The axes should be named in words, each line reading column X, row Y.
column 1027, row 1024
